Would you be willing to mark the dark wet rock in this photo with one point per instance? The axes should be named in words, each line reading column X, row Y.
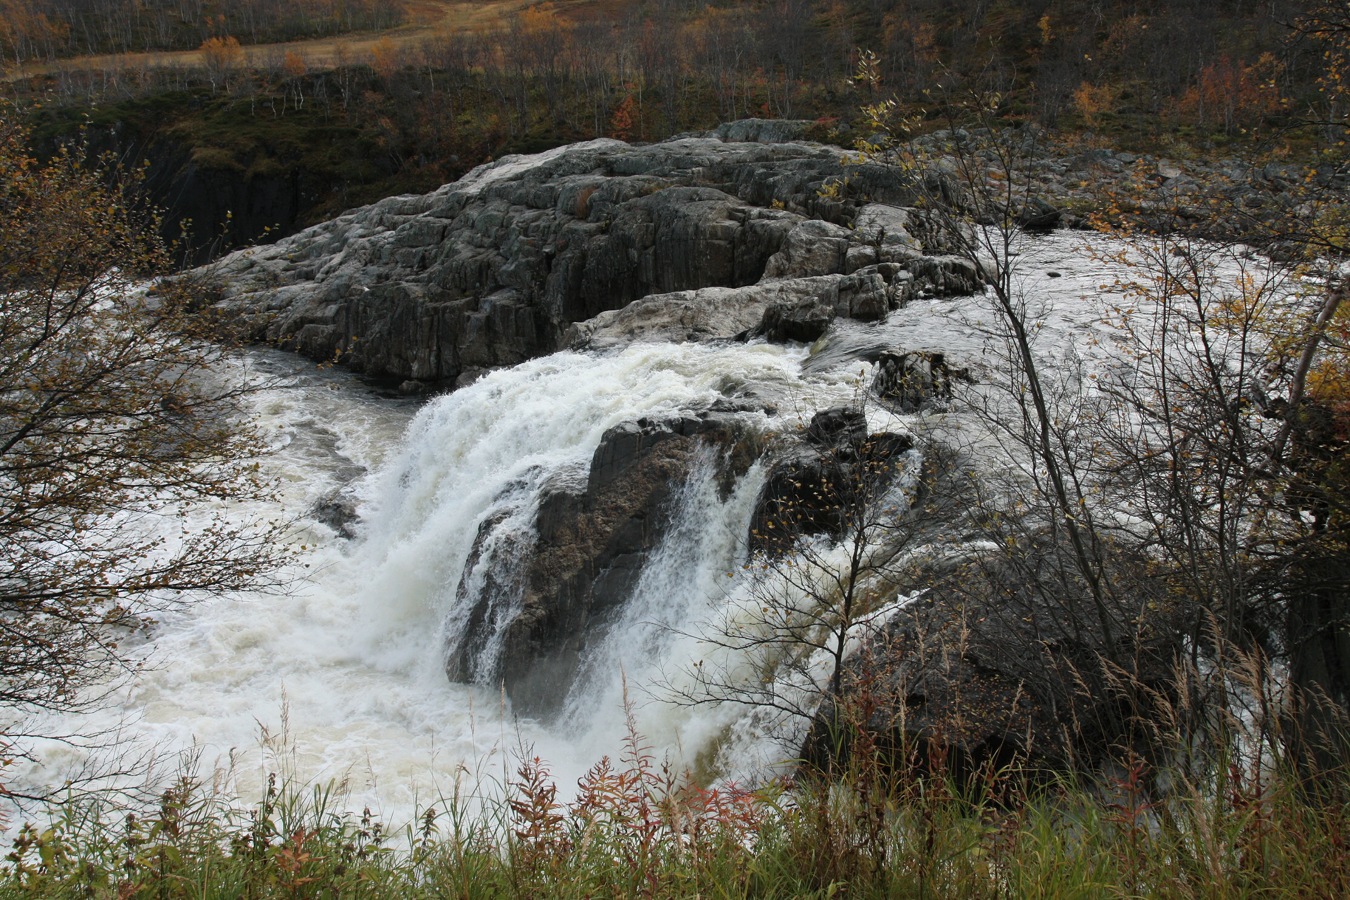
column 945, row 276
column 338, row 511
column 915, row 382
column 801, row 320
column 1038, row 214
column 414, row 388
column 590, row 542
column 839, row 426
column 819, row 478
column 493, row 574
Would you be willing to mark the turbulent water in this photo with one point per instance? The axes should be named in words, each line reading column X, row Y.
column 341, row 676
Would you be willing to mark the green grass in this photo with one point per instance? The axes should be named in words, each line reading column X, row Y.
column 638, row 830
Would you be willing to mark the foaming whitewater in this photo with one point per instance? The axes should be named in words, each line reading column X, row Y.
column 654, row 641
column 344, row 671
column 484, row 452
column 340, row 677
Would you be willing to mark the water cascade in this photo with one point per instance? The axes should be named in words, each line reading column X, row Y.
column 344, row 673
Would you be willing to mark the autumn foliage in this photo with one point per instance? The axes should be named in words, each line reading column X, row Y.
column 116, row 432
column 1232, row 96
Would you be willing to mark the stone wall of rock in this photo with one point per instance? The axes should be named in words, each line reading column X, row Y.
column 496, row 267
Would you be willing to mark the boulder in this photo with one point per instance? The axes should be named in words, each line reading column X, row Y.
column 802, row 320
column 338, row 510
column 539, row 612
column 1038, row 214
column 880, row 225
column 796, row 309
column 767, row 131
column 812, row 247
column 945, row 276
column 804, row 309
column 914, row 382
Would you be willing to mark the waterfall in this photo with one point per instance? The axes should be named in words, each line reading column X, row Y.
column 471, row 469
column 656, row 637
column 352, row 657
column 348, row 662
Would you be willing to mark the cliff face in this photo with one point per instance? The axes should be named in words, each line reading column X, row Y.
column 713, row 235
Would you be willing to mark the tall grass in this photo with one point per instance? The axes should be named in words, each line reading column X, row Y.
column 635, row 828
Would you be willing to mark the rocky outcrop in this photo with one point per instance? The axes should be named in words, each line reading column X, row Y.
column 1063, row 184
column 713, row 236
column 914, row 382
column 984, row 666
column 792, row 309
column 590, row 540
column 979, row 659
column 498, row 266
column 774, row 308
column 819, row 482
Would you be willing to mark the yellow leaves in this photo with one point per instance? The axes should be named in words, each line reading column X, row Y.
column 220, row 55
column 1046, row 30
column 868, row 70
column 1092, row 101
column 294, row 65
column 542, row 17
column 832, row 189
column 1329, row 380
column 385, row 58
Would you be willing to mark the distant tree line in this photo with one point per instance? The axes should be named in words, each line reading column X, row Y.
column 1224, row 66
column 49, row 29
column 410, row 114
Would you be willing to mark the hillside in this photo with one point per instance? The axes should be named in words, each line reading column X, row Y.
column 251, row 139
column 418, row 21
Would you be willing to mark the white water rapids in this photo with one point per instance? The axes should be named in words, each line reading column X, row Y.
column 351, row 657
column 349, row 661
